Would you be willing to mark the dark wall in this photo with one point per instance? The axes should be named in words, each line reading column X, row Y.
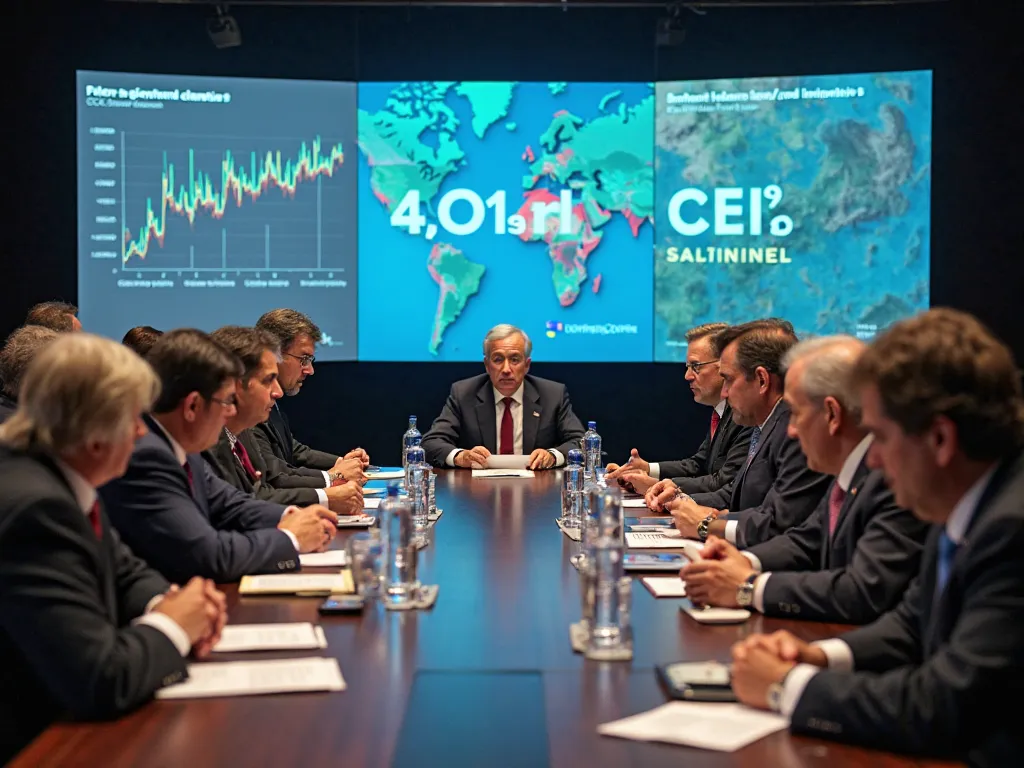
column 975, row 233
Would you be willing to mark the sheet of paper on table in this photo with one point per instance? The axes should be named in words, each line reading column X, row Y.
column 634, row 503
column 721, row 727
column 297, row 636
column 386, row 473
column 371, row 503
column 308, row 584
column 492, row 473
column 331, row 558
column 507, row 461
column 665, row 586
column 250, row 678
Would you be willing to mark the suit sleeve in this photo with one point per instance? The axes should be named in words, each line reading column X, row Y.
column 136, row 582
column 443, row 436
column 695, row 466
column 717, row 499
column 792, row 498
column 798, row 549
column 310, row 458
column 722, row 478
column 885, row 561
column 157, row 517
column 51, row 608
column 570, row 430
column 262, row 440
column 951, row 700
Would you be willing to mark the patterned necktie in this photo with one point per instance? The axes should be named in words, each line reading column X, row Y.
column 947, row 550
column 755, row 438
column 835, row 506
column 715, row 419
column 244, row 460
column 508, row 435
column 94, row 518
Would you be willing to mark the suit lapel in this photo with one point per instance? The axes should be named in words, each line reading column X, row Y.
column 279, row 427
column 198, row 483
column 715, row 440
column 845, row 512
column 531, row 417
column 485, row 417
column 761, row 442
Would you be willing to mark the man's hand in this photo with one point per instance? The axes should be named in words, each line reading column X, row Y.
column 219, row 603
column 351, row 470
column 191, row 609
column 638, row 482
column 635, row 464
column 345, row 499
column 754, row 670
column 788, row 647
column 715, row 578
column 313, row 526
column 474, row 458
column 357, row 453
column 541, row 459
column 687, row 514
column 660, row 494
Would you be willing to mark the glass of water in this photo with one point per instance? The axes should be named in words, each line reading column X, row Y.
column 364, row 555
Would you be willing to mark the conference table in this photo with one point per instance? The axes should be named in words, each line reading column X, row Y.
column 485, row 678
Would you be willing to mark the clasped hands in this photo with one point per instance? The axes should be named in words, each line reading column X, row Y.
column 761, row 661
column 476, row 458
column 200, row 609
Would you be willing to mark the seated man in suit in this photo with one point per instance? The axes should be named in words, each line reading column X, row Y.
column 940, row 674
column 18, row 351
column 237, row 459
column 298, row 336
column 504, row 411
column 775, row 490
column 56, row 315
column 170, row 507
column 721, row 455
column 87, row 630
column 852, row 560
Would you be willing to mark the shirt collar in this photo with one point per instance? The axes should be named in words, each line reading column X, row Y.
column 720, row 408
column 845, row 476
column 232, row 439
column 517, row 395
column 770, row 414
column 179, row 452
column 963, row 512
column 85, row 494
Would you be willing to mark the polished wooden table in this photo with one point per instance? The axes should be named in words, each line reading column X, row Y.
column 485, row 678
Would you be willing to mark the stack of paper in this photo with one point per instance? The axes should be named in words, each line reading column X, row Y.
column 665, row 586
column 386, row 473
column 634, row 503
column 356, row 521
column 299, row 584
column 332, row 558
column 722, row 727
column 250, row 678
column 503, row 473
column 270, row 637
column 508, row 461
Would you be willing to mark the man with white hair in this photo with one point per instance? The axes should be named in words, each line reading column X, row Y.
column 855, row 556
column 87, row 629
column 504, row 411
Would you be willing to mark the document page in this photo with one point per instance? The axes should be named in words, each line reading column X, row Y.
column 721, row 727
column 332, row 557
column 507, row 461
column 665, row 586
column 296, row 583
column 270, row 637
column 502, row 473
column 250, row 678
column 386, row 473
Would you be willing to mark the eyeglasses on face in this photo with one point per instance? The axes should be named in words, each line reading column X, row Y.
column 227, row 402
column 304, row 360
column 695, row 367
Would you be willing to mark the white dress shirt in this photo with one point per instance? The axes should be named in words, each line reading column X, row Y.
column 86, row 496
column 655, row 470
column 838, row 653
column 843, row 480
column 732, row 525
column 517, row 427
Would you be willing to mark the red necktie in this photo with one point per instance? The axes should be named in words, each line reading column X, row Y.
column 243, row 458
column 188, row 473
column 94, row 518
column 715, row 418
column 508, row 434
column 835, row 506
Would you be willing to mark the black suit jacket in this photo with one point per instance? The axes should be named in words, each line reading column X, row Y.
column 228, row 468
column 8, row 406
column 67, row 600
column 216, row 532
column 943, row 675
column 468, row 419
column 275, row 437
column 717, row 461
column 775, row 491
column 856, row 575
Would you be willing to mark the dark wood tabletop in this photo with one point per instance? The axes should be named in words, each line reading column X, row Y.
column 486, row 677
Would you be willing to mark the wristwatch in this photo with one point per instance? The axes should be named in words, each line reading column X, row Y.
column 702, row 527
column 745, row 591
column 773, row 696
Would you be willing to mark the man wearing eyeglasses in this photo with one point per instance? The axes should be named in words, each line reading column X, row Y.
column 721, row 455
column 504, row 411
column 298, row 336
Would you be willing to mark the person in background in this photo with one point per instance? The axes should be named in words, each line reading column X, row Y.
column 141, row 338
column 504, row 411
column 850, row 561
column 938, row 675
column 237, row 458
column 17, row 353
column 87, row 629
column 170, row 507
column 56, row 315
column 298, row 336
column 721, row 455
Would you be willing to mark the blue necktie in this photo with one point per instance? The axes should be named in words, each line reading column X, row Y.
column 947, row 550
column 755, row 438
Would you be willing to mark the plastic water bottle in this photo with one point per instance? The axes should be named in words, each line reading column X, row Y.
column 414, row 457
column 609, row 626
column 591, row 449
column 572, row 489
column 411, row 439
column 398, row 562
column 418, row 489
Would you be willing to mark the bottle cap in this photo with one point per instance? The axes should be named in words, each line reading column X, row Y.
column 575, row 456
column 591, row 425
column 393, row 489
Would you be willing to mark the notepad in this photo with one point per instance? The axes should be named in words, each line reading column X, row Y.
column 299, row 584
column 371, row 503
column 634, row 503
column 356, row 521
column 297, row 636
column 721, row 727
column 332, row 557
column 252, row 678
column 507, row 461
column 503, row 473
column 386, row 473
column 665, row 586
column 716, row 615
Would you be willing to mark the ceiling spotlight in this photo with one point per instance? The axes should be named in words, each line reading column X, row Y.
column 223, row 29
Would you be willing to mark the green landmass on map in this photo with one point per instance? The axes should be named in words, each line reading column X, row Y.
column 557, row 88
column 490, row 103
column 510, row 126
column 457, row 279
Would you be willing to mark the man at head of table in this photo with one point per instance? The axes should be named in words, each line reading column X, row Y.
column 504, row 411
